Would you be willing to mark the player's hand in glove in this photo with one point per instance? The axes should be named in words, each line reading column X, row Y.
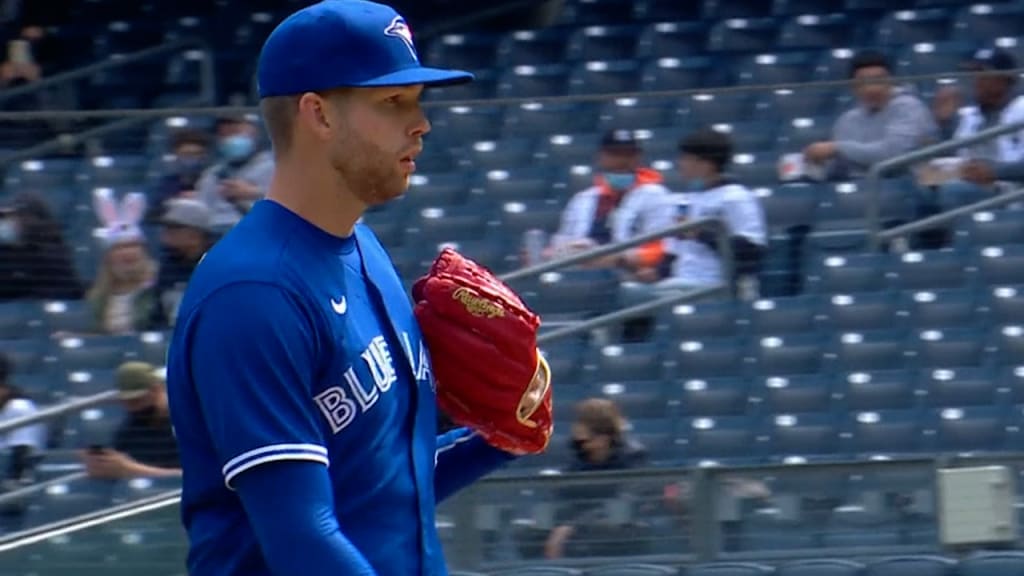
column 483, row 347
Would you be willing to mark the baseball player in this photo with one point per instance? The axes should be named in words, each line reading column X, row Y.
column 302, row 395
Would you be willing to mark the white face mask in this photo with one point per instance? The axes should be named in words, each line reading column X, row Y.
column 9, row 233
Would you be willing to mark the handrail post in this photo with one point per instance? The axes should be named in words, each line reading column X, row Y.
column 873, row 179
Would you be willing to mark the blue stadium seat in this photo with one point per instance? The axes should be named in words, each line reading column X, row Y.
column 43, row 174
column 633, row 570
column 576, row 149
column 712, row 319
column 876, row 390
column 787, row 355
column 801, row 7
column 1007, row 345
column 531, row 81
column 959, row 387
column 627, row 362
column 518, row 217
column 816, row 29
column 981, row 23
column 803, row 435
column 864, row 311
column 855, row 526
column 636, row 399
column 847, row 274
column 435, row 225
column 720, row 439
column 774, row 68
column 634, row 113
column 531, row 47
column 938, row 309
column 705, row 358
column 696, row 397
column 565, row 357
column 708, row 108
column 463, row 51
column 969, row 428
column 911, row 566
column 26, row 356
column 907, row 27
column 602, row 42
column 789, row 103
column 930, row 56
column 929, row 270
column 730, row 569
column 671, row 38
column 679, row 73
column 588, row 12
column 1004, row 303
column 820, row 567
column 604, row 77
column 545, row 119
column 868, row 351
column 792, row 394
column 467, row 123
column 575, row 292
column 74, row 316
column 721, row 9
column 1000, row 265
column 93, row 426
column 665, row 10
column 743, row 35
column 790, row 205
column 884, row 432
column 992, row 564
column 494, row 155
column 95, row 352
column 991, row 228
column 781, row 316
column 801, row 131
column 88, row 381
column 948, row 348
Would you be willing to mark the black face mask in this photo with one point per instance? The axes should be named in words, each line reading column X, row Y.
column 578, row 449
column 147, row 414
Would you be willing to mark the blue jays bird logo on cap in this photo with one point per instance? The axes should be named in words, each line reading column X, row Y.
column 399, row 29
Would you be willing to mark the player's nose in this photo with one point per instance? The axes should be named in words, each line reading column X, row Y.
column 421, row 126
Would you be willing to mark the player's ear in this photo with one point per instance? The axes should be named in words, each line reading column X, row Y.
column 314, row 113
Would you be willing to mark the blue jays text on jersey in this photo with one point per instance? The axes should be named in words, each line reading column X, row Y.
column 293, row 344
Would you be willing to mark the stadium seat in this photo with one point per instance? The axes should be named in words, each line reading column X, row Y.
column 532, row 81
column 574, row 293
column 636, row 398
column 929, row 56
column 531, row 47
column 637, row 113
column 792, row 394
column 587, row 12
column 992, row 564
column 750, row 35
column 802, row 435
column 991, row 228
column 979, row 24
column 790, row 205
column 571, row 150
column 626, row 362
column 72, row 316
column 884, row 433
column 704, row 358
column 781, row 316
column 670, row 38
column 929, row 270
column 602, row 43
column 702, row 320
column 970, row 428
column 712, row 396
column 26, row 356
column 820, row 567
column 876, row 390
column 604, row 77
column 863, row 311
column 95, row 352
column 435, row 225
column 816, row 29
column 720, row 439
column 939, row 309
column 947, row 348
column 1004, row 303
column 1000, row 265
column 1007, row 345
column 847, row 274
column 517, row 217
column 547, row 118
column 730, row 569
column 958, row 387
column 467, row 123
column 908, row 27
column 868, row 351
column 787, row 355
column 665, row 10
column 463, row 51
column 93, row 426
column 633, row 570
column 774, row 68
column 911, row 566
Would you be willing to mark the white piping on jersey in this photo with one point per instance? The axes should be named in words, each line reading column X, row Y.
column 457, row 441
column 309, row 452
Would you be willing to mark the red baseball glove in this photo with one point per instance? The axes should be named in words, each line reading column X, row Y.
column 483, row 348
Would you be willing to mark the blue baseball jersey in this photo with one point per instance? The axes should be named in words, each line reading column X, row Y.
column 293, row 344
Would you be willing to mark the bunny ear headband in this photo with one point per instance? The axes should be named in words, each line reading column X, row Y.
column 120, row 223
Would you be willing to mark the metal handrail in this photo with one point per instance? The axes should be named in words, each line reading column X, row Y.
column 58, row 410
column 874, row 176
column 207, row 79
column 944, row 217
column 20, row 493
column 110, row 63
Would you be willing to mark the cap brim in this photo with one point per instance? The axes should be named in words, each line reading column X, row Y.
column 431, row 77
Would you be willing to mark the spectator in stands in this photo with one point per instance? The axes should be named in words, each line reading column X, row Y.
column 122, row 295
column 887, row 122
column 600, row 443
column 241, row 176
column 144, row 444
column 185, row 237
column 191, row 156
column 999, row 160
column 35, row 261
column 626, row 199
column 24, row 445
column 694, row 257
column 946, row 109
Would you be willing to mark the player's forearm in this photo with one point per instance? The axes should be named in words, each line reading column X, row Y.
column 463, row 458
column 290, row 508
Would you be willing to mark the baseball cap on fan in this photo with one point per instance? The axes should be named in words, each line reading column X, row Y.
column 341, row 44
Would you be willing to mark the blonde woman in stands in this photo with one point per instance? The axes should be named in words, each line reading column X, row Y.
column 122, row 295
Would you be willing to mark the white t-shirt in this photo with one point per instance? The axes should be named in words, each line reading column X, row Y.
column 698, row 265
column 641, row 211
column 1007, row 148
column 33, row 435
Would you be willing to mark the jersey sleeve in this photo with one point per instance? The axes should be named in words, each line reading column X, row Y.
column 252, row 358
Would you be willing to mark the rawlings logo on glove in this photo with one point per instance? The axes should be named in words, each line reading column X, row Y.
column 483, row 347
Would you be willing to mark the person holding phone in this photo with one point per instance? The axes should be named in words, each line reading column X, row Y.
column 144, row 444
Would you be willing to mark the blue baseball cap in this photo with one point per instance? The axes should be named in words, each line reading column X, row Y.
column 344, row 43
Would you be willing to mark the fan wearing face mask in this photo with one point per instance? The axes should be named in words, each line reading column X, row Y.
column 626, row 199
column 239, row 177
